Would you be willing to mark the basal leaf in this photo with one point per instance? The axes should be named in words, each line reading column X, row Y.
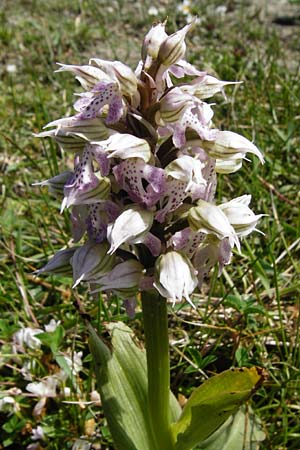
column 212, row 403
column 122, row 381
column 242, row 431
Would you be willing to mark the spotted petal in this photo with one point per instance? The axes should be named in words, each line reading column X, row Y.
column 85, row 187
column 132, row 174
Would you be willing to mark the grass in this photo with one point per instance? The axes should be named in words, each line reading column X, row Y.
column 248, row 316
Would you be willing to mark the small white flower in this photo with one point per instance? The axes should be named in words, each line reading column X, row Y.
column 27, row 336
column 37, row 433
column 221, row 10
column 44, row 388
column 81, row 444
column 95, row 397
column 74, row 362
column 8, row 404
column 52, row 325
column 153, row 11
column 11, row 68
column 67, row 391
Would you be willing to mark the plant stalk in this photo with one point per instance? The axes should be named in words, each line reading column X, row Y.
column 158, row 365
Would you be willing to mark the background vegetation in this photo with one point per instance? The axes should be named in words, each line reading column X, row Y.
column 250, row 316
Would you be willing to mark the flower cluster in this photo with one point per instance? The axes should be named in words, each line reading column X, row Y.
column 146, row 159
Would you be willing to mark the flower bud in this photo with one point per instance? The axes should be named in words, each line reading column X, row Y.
column 229, row 165
column 210, row 219
column 123, row 279
column 91, row 261
column 153, row 41
column 173, row 48
column 206, row 87
column 227, row 144
column 173, row 105
column 125, row 146
column 117, row 70
column 132, row 226
column 175, row 277
column 60, row 263
column 240, row 216
column 56, row 184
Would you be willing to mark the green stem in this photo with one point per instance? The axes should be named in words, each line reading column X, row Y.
column 158, row 365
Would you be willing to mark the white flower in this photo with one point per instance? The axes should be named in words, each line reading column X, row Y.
column 175, row 277
column 74, row 362
column 221, row 10
column 81, row 444
column 44, row 388
column 9, row 404
column 27, row 336
column 95, row 397
column 52, row 325
column 37, row 433
column 153, row 11
column 210, row 219
column 240, row 216
column 11, row 68
column 131, row 226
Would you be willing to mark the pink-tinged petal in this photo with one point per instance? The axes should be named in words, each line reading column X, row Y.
column 85, row 187
column 115, row 110
column 100, row 214
column 153, row 244
column 130, row 305
column 102, row 94
column 112, row 210
column 181, row 238
column 91, row 261
column 97, row 223
column 187, row 240
column 132, row 173
column 79, row 217
column 179, row 139
column 182, row 68
column 82, row 103
column 102, row 159
column 209, row 254
column 124, row 279
column 174, row 196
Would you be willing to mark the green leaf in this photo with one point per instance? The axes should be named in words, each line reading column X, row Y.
column 212, row 403
column 122, row 381
column 52, row 339
column 240, row 432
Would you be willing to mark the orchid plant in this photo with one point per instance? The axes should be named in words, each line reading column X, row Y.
column 145, row 224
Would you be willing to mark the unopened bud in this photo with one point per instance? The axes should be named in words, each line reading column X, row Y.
column 153, row 41
column 173, row 105
column 173, row 48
